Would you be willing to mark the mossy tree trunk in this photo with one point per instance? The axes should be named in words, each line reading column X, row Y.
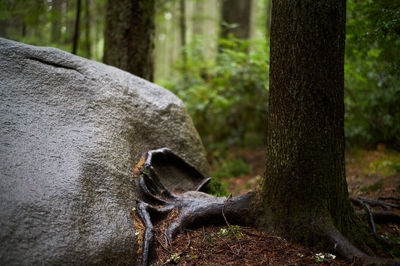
column 305, row 189
column 129, row 36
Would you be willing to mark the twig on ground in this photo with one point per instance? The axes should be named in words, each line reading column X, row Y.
column 166, row 249
column 227, row 244
column 229, row 226
column 189, row 241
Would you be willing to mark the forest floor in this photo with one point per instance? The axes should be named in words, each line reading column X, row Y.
column 370, row 174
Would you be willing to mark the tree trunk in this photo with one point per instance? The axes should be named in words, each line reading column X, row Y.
column 56, row 11
column 305, row 184
column 4, row 25
column 76, row 30
column 236, row 12
column 182, row 24
column 129, row 36
column 87, row 30
column 23, row 32
column 268, row 19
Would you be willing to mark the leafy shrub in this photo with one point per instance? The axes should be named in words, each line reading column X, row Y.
column 372, row 79
column 217, row 188
column 231, row 168
column 227, row 99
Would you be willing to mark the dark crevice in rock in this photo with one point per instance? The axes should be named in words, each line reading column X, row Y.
column 53, row 64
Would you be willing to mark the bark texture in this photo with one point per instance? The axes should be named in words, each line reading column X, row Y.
column 129, row 36
column 305, row 181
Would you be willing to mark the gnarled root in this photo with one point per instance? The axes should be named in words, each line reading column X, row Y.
column 192, row 209
column 345, row 249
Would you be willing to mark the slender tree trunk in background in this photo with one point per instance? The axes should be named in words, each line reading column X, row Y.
column 3, row 28
column 23, row 28
column 182, row 23
column 268, row 18
column 87, row 30
column 76, row 31
column 56, row 14
column 70, row 23
column 129, row 36
column 236, row 12
column 197, row 25
column 305, row 189
column 99, row 8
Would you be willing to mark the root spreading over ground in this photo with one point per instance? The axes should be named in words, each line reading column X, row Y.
column 162, row 216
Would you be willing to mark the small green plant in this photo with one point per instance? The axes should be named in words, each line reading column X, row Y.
column 322, row 257
column 217, row 188
column 211, row 238
column 175, row 258
column 228, row 168
column 374, row 187
column 395, row 252
column 232, row 231
column 223, row 232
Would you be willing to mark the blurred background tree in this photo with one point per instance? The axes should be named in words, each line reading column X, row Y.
column 214, row 55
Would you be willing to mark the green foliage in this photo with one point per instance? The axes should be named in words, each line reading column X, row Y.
column 232, row 231
column 395, row 251
column 51, row 23
column 231, row 168
column 175, row 258
column 372, row 79
column 374, row 187
column 217, row 188
column 226, row 168
column 227, row 99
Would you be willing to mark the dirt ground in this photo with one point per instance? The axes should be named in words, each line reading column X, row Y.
column 370, row 174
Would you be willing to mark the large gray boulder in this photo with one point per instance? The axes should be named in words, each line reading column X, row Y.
column 71, row 131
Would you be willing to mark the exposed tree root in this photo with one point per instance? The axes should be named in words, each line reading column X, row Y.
column 381, row 217
column 368, row 210
column 195, row 209
column 380, row 203
column 348, row 251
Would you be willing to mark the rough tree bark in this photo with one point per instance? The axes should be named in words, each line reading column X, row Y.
column 305, row 190
column 129, row 36
column 304, row 193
